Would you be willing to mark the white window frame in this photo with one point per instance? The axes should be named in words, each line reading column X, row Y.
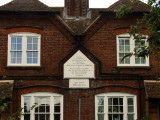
column 24, row 36
column 132, row 47
column 115, row 94
column 42, row 94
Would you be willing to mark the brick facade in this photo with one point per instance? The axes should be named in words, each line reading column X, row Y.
column 58, row 44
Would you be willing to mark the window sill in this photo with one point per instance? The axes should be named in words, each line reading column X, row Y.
column 134, row 67
column 23, row 67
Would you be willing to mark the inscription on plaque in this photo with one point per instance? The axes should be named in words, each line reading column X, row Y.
column 78, row 83
column 79, row 66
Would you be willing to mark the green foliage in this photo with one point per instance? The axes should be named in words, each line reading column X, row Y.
column 124, row 10
column 4, row 106
column 151, row 22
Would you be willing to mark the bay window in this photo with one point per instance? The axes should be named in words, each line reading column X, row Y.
column 115, row 106
column 47, row 106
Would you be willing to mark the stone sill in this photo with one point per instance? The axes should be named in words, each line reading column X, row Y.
column 23, row 67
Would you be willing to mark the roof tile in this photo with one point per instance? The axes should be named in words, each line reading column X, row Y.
column 138, row 5
column 25, row 5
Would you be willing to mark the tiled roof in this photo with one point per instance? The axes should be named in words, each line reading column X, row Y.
column 25, row 5
column 152, row 89
column 138, row 6
column 6, row 88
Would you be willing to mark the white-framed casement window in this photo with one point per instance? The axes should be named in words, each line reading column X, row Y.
column 24, row 49
column 125, row 45
column 48, row 106
column 115, row 106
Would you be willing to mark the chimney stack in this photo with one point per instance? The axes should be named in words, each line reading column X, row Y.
column 76, row 9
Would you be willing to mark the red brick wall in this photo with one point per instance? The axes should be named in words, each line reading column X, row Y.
column 101, row 42
column 71, row 96
column 153, row 109
column 54, row 44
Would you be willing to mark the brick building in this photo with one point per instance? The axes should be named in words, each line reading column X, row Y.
column 68, row 61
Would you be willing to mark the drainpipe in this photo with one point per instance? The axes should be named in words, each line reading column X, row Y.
column 147, row 100
column 79, row 108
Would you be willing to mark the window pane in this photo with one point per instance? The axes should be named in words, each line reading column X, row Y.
column 13, row 46
column 56, row 100
column 115, row 117
column 48, row 117
column 121, row 101
column 130, row 109
column 16, row 57
column 18, row 60
column 127, row 48
column 29, row 46
column 27, row 117
column 42, row 108
column 57, row 117
column 100, row 101
column 137, row 60
column 121, row 108
column 109, row 101
column 101, row 109
column 35, row 47
column 143, row 60
column 32, row 57
column 130, row 101
column 35, row 54
column 13, row 40
column 127, row 60
column 56, row 108
column 29, row 54
column 35, row 40
column 47, row 108
column 109, row 108
column 130, row 117
column 115, row 101
column 19, row 54
column 110, row 117
column 19, row 46
column 27, row 104
column 13, row 60
column 29, row 60
column 121, row 42
column 19, row 40
column 115, row 109
column 100, row 116
column 121, row 48
column 35, row 60
column 29, row 40
column 16, row 43
column 127, row 42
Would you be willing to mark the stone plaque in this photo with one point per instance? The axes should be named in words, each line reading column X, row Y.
column 79, row 83
column 79, row 66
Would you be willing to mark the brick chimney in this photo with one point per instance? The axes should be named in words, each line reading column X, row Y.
column 76, row 9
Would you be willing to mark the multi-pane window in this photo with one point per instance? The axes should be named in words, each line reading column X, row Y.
column 47, row 106
column 115, row 106
column 127, row 45
column 23, row 49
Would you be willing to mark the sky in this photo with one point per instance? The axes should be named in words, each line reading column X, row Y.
column 59, row 3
